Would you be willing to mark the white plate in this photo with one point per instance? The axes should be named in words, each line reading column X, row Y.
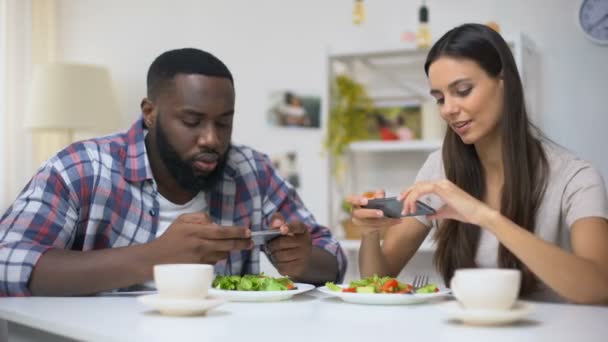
column 125, row 293
column 384, row 298
column 261, row 296
column 178, row 306
column 454, row 310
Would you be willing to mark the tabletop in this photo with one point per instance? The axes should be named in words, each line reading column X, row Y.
column 311, row 316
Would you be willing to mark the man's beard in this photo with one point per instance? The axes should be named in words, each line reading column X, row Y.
column 183, row 170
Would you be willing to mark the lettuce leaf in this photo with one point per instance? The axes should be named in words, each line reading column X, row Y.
column 252, row 282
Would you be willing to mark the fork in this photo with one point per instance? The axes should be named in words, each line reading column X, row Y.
column 419, row 282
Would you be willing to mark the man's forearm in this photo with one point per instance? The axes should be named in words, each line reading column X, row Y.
column 61, row 272
column 323, row 267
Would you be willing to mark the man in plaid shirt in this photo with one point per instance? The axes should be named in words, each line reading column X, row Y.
column 172, row 189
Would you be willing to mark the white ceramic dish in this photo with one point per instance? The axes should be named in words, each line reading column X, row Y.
column 454, row 310
column 261, row 296
column 384, row 298
column 180, row 306
column 126, row 293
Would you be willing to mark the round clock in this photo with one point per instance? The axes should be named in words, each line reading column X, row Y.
column 593, row 19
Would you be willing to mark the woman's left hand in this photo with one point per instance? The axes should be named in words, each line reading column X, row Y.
column 459, row 205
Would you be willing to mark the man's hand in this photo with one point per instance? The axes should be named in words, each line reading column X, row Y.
column 291, row 252
column 194, row 238
column 191, row 238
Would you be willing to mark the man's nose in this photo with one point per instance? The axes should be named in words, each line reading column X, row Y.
column 208, row 136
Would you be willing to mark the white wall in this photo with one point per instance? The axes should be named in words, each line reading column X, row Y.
column 2, row 92
column 276, row 44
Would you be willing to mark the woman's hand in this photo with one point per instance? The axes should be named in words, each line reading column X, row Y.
column 459, row 205
column 369, row 220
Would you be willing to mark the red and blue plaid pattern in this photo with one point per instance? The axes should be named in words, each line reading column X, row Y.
column 101, row 193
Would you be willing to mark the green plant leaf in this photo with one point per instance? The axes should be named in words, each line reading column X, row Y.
column 348, row 117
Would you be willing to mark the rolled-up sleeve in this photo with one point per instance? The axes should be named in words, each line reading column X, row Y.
column 42, row 217
column 281, row 197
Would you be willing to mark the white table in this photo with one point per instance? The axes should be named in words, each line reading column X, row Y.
column 307, row 317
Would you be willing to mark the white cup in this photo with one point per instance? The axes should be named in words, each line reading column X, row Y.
column 486, row 288
column 183, row 280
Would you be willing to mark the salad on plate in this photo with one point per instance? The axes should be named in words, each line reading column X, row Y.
column 383, row 291
column 252, row 282
column 256, row 288
column 377, row 284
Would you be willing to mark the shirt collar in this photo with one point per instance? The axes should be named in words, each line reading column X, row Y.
column 137, row 164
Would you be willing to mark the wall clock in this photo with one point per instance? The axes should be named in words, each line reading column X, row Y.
column 593, row 20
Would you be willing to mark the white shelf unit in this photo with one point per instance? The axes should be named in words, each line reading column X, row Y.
column 391, row 77
column 353, row 245
column 395, row 146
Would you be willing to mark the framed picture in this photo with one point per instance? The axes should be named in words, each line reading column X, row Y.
column 402, row 122
column 290, row 109
column 286, row 165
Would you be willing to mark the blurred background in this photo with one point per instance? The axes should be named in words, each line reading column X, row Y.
column 291, row 46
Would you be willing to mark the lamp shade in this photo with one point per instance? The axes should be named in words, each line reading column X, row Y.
column 72, row 96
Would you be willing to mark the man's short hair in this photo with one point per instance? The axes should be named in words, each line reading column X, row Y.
column 183, row 61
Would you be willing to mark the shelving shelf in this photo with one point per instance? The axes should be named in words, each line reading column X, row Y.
column 404, row 55
column 395, row 146
column 353, row 245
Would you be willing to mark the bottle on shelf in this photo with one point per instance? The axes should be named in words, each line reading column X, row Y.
column 359, row 12
column 423, row 35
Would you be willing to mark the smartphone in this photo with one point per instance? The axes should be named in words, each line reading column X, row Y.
column 261, row 237
column 391, row 207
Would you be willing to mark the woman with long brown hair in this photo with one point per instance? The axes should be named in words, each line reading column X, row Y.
column 505, row 196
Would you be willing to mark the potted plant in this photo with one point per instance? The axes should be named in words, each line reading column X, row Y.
column 349, row 111
column 348, row 118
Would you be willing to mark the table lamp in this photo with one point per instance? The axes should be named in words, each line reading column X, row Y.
column 65, row 98
column 71, row 97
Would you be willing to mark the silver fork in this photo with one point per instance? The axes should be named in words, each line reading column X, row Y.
column 419, row 282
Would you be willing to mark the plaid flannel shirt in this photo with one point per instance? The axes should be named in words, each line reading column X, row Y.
column 100, row 193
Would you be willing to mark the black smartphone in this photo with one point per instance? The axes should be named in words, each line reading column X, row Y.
column 264, row 236
column 391, row 207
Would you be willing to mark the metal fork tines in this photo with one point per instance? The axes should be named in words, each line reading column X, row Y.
column 420, row 281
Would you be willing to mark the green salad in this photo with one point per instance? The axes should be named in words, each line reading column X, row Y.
column 377, row 284
column 252, row 282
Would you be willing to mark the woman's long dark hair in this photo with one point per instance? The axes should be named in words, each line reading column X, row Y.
column 524, row 161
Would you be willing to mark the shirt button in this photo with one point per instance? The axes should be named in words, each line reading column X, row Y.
column 152, row 212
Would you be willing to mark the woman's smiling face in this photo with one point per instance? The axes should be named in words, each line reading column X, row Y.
column 469, row 99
